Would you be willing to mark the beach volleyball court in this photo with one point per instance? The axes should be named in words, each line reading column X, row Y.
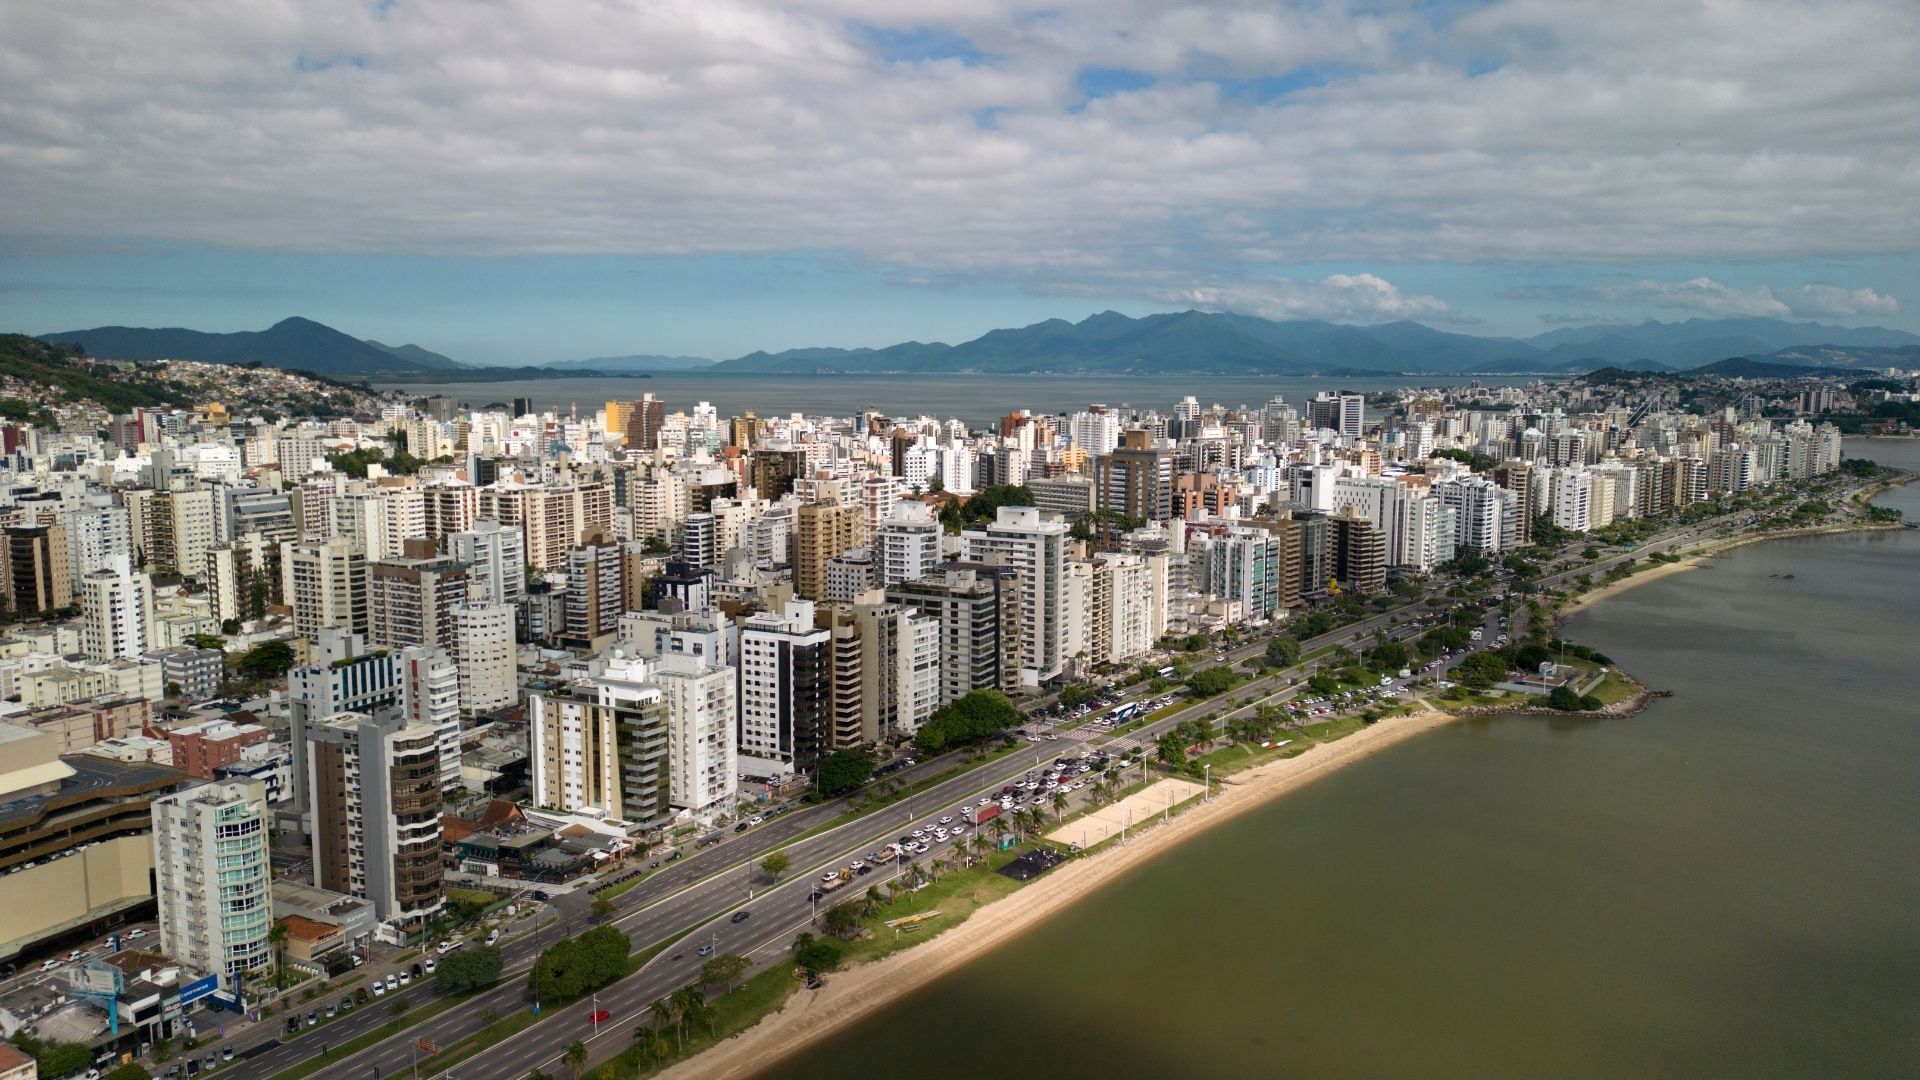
column 1137, row 809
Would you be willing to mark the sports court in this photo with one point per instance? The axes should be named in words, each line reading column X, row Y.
column 1135, row 809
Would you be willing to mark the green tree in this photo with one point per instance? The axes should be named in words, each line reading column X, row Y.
column 842, row 771
column 723, row 970
column 1074, row 694
column 775, row 864
column 843, row 919
column 207, row 641
column 567, row 969
column 1171, row 750
column 602, row 906
column 576, row 1057
column 1212, row 680
column 267, row 660
column 814, row 954
column 1282, row 651
column 1564, row 699
column 1481, row 670
column 468, row 968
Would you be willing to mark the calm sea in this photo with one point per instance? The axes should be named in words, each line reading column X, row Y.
column 976, row 399
column 1724, row 886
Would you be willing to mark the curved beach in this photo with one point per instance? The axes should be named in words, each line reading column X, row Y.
column 851, row 995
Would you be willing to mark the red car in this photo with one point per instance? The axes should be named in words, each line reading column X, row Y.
column 599, row 1017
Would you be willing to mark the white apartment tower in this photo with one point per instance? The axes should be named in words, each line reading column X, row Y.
column 1022, row 538
column 700, row 733
column 213, row 879
column 118, row 605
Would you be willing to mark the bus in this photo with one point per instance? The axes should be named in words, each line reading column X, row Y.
column 1167, row 672
column 1124, row 712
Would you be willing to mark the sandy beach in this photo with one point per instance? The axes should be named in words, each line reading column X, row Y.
column 850, row 995
column 1658, row 571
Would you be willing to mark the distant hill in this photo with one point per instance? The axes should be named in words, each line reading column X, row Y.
column 1699, row 341
column 642, row 362
column 1195, row 342
column 1741, row 367
column 294, row 344
column 1183, row 342
column 1178, row 343
column 417, row 355
column 59, row 373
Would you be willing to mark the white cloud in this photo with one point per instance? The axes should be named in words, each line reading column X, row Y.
column 1361, row 298
column 1702, row 294
column 1705, row 295
column 1832, row 300
column 1640, row 130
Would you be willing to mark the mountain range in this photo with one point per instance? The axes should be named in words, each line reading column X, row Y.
column 1187, row 342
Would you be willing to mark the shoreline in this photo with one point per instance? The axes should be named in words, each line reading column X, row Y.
column 852, row 995
column 1614, row 588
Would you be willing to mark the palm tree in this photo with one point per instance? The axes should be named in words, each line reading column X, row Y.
column 277, row 937
column 659, row 1016
column 893, row 888
column 871, row 904
column 576, row 1057
column 999, row 826
column 687, row 1003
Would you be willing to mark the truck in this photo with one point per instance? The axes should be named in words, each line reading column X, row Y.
column 980, row 815
column 838, row 881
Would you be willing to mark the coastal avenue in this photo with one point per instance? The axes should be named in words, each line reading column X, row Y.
column 695, row 895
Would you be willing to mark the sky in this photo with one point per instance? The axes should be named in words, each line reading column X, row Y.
column 531, row 180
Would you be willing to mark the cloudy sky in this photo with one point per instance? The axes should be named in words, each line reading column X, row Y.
column 526, row 180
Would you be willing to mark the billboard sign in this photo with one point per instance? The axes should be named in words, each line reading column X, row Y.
column 198, row 989
column 98, row 980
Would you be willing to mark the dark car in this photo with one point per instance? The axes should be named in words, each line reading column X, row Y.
column 742, row 827
column 193, row 1067
column 418, row 971
column 742, row 916
column 540, row 895
column 293, row 1024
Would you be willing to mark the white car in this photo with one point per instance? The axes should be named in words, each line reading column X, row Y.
column 393, row 981
column 49, row 965
column 946, row 821
column 379, row 988
column 137, row 932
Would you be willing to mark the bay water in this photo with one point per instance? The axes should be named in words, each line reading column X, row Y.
column 1727, row 885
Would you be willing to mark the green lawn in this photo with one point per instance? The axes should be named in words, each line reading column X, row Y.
column 1615, row 688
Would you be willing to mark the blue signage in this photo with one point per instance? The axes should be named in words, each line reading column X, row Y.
column 198, row 989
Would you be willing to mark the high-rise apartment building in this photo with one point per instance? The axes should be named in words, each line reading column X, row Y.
column 118, row 607
column 325, row 582
column 341, row 676
column 375, row 785
column 700, row 732
column 496, row 557
column 213, row 879
column 1035, row 546
column 785, row 692
column 907, row 543
column 430, row 697
column 644, row 420
column 822, row 531
column 410, row 600
column 601, row 743
column 35, row 575
column 1136, row 479
column 483, row 650
column 596, row 593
